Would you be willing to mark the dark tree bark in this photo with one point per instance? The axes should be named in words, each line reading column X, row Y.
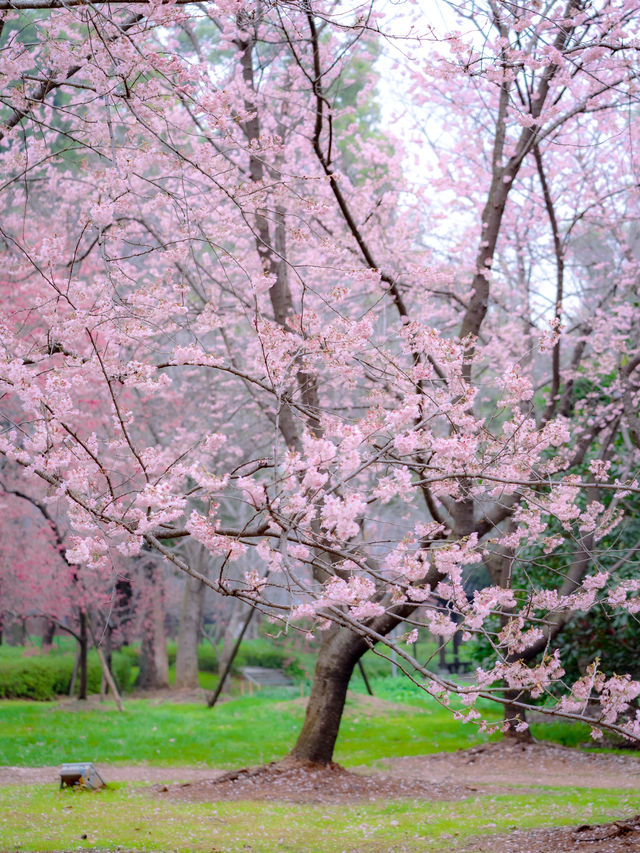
column 84, row 648
column 339, row 653
column 48, row 634
column 123, row 610
column 17, row 632
column 513, row 716
column 74, row 674
column 154, row 663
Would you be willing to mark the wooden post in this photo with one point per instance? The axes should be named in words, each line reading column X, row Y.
column 364, row 677
column 223, row 676
column 106, row 672
column 109, row 679
column 74, row 674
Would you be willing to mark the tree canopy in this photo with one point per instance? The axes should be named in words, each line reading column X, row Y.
column 348, row 299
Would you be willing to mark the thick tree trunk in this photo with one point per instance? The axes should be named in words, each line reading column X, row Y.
column 123, row 611
column 154, row 663
column 189, row 633
column 339, row 653
column 84, row 648
column 16, row 631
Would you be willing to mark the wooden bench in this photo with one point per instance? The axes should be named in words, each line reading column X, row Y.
column 262, row 676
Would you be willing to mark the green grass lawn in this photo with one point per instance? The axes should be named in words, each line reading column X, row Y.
column 244, row 730
column 124, row 817
column 252, row 730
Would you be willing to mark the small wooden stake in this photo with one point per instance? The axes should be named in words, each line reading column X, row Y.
column 109, row 679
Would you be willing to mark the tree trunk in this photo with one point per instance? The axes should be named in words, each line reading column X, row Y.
column 123, row 611
column 513, row 716
column 84, row 648
column 48, row 634
column 339, row 652
column 74, row 674
column 154, row 663
column 442, row 651
column 189, row 631
column 16, row 631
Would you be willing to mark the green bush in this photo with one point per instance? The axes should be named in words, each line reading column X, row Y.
column 258, row 652
column 34, row 677
column 262, row 652
column 132, row 653
column 46, row 676
column 207, row 658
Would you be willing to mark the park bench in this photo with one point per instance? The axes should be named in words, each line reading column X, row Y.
column 261, row 676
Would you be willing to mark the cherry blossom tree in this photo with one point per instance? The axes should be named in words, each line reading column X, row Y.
column 38, row 581
column 237, row 316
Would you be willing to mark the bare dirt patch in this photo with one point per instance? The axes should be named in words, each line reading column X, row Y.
column 303, row 782
column 489, row 768
column 621, row 836
column 110, row 773
column 161, row 696
column 515, row 765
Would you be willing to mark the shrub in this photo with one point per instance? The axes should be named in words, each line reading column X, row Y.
column 207, row 658
column 44, row 677
column 132, row 653
column 265, row 653
column 34, row 678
